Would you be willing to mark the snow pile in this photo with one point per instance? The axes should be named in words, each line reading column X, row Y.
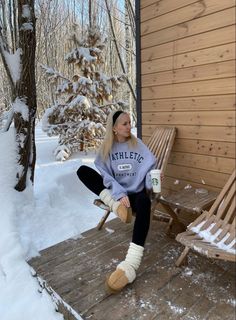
column 20, row 296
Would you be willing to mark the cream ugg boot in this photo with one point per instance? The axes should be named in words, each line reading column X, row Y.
column 126, row 271
column 124, row 213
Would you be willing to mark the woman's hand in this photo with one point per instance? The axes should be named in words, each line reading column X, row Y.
column 125, row 201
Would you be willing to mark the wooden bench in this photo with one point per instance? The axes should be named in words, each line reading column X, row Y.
column 213, row 232
column 160, row 143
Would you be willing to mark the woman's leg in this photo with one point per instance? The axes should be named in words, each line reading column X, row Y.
column 126, row 270
column 94, row 182
column 141, row 204
column 91, row 179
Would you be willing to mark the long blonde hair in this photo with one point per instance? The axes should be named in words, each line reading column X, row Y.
column 110, row 138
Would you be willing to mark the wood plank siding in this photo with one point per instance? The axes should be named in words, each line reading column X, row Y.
column 188, row 81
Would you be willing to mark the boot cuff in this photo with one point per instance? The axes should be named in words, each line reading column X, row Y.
column 128, row 269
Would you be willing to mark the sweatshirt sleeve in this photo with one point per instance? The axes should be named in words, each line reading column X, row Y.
column 109, row 181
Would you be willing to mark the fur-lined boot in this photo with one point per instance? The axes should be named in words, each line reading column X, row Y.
column 124, row 213
column 126, row 271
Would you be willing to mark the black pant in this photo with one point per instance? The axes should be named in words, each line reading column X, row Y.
column 140, row 202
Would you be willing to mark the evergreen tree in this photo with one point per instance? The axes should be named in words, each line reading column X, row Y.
column 80, row 113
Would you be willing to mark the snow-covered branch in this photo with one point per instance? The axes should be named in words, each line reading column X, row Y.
column 79, row 115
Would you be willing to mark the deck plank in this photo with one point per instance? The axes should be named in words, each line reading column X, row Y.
column 76, row 270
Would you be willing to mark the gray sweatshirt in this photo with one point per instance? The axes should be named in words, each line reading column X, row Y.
column 126, row 169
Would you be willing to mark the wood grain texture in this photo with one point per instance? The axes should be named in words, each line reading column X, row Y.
column 207, row 103
column 195, row 42
column 164, row 19
column 201, row 59
column 197, row 73
column 224, row 134
column 196, row 26
column 203, row 118
column 190, row 89
column 161, row 7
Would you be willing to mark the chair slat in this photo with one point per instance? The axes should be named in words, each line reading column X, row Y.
column 207, row 223
column 232, row 231
column 231, row 212
column 199, row 219
column 226, row 201
column 158, row 143
column 223, row 233
column 218, row 224
column 222, row 193
column 155, row 139
column 163, row 147
column 168, row 149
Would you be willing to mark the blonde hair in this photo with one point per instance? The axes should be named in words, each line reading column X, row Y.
column 110, row 138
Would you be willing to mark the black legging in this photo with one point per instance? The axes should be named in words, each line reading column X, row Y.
column 140, row 202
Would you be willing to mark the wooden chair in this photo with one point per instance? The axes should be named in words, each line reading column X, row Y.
column 160, row 143
column 213, row 232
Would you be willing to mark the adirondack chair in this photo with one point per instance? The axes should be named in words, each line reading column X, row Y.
column 160, row 143
column 213, row 232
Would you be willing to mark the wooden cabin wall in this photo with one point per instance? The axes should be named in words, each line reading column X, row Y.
column 188, row 81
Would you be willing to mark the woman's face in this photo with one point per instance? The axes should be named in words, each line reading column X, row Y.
column 122, row 127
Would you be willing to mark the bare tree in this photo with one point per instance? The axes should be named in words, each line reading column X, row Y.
column 19, row 63
column 118, row 50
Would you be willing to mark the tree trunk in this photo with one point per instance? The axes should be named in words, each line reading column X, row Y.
column 128, row 56
column 118, row 51
column 26, row 93
column 90, row 13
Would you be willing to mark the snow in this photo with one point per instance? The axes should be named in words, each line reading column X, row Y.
column 27, row 26
column 58, row 208
column 26, row 11
column 176, row 309
column 188, row 186
column 14, row 65
column 68, row 204
column 201, row 191
column 84, row 53
column 212, row 238
column 203, row 182
column 20, row 106
column 80, row 100
column 15, row 273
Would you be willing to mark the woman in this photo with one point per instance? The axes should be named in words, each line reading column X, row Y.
column 124, row 162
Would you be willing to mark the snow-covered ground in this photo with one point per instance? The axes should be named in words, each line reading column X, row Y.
column 63, row 205
column 60, row 207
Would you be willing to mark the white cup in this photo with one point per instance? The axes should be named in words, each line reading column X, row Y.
column 156, row 180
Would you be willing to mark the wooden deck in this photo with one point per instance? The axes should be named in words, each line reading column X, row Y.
column 76, row 270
